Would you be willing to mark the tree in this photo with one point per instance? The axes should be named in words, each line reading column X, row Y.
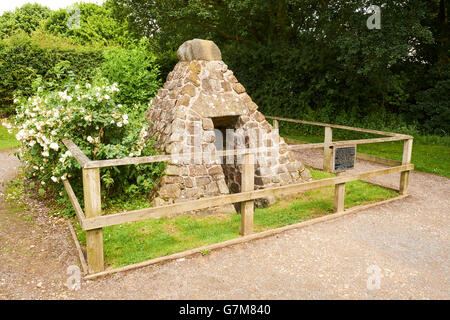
column 91, row 23
column 26, row 18
column 305, row 57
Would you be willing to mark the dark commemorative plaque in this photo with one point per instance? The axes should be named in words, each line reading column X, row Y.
column 344, row 158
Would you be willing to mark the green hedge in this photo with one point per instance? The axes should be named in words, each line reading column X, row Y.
column 24, row 58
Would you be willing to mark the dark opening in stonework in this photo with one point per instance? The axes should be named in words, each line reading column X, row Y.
column 230, row 170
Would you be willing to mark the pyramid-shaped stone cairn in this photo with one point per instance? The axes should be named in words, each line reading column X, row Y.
column 195, row 110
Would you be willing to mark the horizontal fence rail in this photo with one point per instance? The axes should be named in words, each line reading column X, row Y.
column 172, row 210
column 337, row 126
column 93, row 221
column 85, row 163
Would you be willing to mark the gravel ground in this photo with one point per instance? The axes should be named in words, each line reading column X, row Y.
column 406, row 241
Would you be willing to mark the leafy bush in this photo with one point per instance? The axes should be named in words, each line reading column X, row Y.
column 432, row 106
column 24, row 58
column 92, row 117
column 135, row 71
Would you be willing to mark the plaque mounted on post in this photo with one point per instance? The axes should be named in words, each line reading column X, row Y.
column 343, row 158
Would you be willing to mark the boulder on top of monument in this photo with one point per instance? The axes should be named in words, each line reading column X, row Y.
column 199, row 49
column 200, row 101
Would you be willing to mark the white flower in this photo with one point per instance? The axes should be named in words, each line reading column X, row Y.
column 54, row 179
column 88, row 118
column 125, row 116
column 106, row 97
column 143, row 133
column 45, row 154
column 131, row 154
column 53, row 133
column 119, row 124
column 90, row 139
column 125, row 121
column 112, row 122
column 54, row 146
column 43, row 183
column 88, row 85
column 21, row 135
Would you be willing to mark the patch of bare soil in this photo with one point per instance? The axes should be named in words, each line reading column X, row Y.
column 35, row 249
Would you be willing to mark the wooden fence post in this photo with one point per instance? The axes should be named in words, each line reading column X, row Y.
column 327, row 151
column 339, row 195
column 92, row 208
column 247, row 184
column 404, row 176
column 275, row 124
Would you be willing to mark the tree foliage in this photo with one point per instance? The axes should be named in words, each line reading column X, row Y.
column 87, row 23
column 136, row 72
column 313, row 58
column 26, row 18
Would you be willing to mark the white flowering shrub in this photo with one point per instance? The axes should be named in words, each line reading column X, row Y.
column 99, row 125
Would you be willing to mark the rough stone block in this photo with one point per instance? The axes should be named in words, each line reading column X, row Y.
column 199, row 49
column 183, row 101
column 207, row 124
column 195, row 67
column 176, row 170
column 188, row 89
column 223, row 188
column 197, row 170
column 306, row 175
column 212, row 188
column 193, row 193
column 226, row 86
column 239, row 88
column 172, row 180
column 202, row 181
column 170, row 191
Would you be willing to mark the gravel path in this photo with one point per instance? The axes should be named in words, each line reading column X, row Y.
column 407, row 241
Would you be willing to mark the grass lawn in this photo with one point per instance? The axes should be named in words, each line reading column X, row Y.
column 428, row 154
column 139, row 241
column 7, row 140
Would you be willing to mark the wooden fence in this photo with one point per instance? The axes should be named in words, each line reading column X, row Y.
column 93, row 221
